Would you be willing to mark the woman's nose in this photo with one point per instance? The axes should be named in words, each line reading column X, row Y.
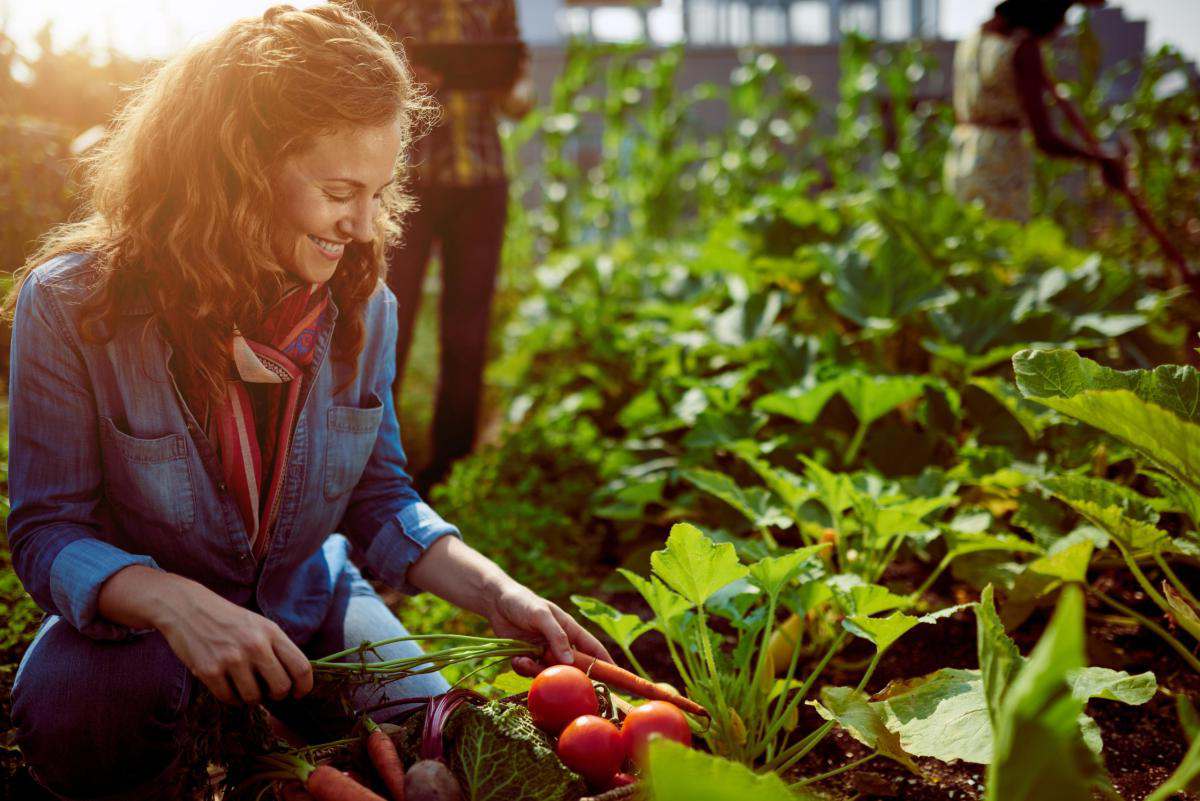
column 358, row 224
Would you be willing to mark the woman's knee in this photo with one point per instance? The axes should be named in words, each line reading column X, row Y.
column 94, row 718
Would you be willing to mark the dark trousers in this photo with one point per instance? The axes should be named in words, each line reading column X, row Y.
column 467, row 223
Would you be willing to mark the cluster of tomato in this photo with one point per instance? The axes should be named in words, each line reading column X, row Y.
column 562, row 701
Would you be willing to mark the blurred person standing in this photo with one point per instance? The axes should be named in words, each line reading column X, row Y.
column 461, row 191
column 1000, row 87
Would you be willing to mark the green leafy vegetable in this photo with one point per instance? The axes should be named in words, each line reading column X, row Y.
column 499, row 755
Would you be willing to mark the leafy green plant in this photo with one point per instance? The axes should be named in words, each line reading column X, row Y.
column 1157, row 413
column 754, row 712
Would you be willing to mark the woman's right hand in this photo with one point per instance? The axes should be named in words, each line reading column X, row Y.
column 230, row 648
column 225, row 646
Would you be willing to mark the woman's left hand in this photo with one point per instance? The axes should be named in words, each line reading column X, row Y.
column 519, row 613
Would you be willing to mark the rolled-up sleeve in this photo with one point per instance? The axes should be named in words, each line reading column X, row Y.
column 386, row 519
column 55, row 471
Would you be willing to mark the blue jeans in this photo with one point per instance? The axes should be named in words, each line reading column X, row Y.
column 99, row 719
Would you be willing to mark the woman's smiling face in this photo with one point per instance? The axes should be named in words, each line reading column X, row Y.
column 329, row 195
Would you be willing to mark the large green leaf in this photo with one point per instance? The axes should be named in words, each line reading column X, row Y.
column 999, row 659
column 676, row 773
column 946, row 714
column 1031, row 417
column 754, row 503
column 883, row 631
column 623, row 628
column 864, row 599
column 976, row 321
column 1041, row 578
column 1112, row 685
column 1125, row 515
column 667, row 606
column 787, row 486
column 1039, row 747
column 875, row 290
column 873, row 396
column 942, row 715
column 835, row 491
column 1155, row 411
column 1064, row 374
column 695, row 566
column 852, row 710
column 802, row 403
column 772, row 573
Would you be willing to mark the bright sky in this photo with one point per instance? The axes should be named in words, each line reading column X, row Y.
column 158, row 27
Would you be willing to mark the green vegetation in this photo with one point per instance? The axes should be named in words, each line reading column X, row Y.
column 775, row 407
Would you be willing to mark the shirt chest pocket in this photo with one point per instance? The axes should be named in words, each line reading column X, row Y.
column 352, row 434
column 148, row 478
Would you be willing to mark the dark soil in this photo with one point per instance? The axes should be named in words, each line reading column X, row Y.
column 1142, row 744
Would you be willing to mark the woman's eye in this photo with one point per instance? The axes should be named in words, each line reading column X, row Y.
column 338, row 198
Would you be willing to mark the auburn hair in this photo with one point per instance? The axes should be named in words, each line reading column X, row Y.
column 179, row 197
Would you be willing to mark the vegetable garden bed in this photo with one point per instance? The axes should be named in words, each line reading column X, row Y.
column 906, row 498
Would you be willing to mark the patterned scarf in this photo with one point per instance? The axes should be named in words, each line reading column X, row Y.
column 254, row 422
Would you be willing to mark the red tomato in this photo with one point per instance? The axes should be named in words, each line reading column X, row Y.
column 560, row 694
column 653, row 719
column 592, row 747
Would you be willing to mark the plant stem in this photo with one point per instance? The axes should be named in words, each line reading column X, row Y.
column 1179, row 781
column 800, row 750
column 855, row 444
column 634, row 662
column 1179, row 585
column 1142, row 580
column 1179, row 647
column 781, row 714
column 831, row 773
column 916, row 594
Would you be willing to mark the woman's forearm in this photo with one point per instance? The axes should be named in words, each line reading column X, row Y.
column 456, row 572
column 140, row 597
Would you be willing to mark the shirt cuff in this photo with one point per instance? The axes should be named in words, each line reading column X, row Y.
column 76, row 576
column 404, row 537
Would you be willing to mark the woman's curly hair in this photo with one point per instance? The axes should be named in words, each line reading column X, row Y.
column 180, row 197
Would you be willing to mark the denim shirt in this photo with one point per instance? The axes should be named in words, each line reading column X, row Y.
column 108, row 468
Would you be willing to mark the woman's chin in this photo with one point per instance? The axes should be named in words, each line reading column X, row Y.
column 310, row 272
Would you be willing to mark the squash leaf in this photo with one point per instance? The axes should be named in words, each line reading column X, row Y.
column 676, row 773
column 695, row 566
column 623, row 628
column 1157, row 412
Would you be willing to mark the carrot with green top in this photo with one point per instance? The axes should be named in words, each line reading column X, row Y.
column 621, row 679
column 323, row 783
column 385, row 759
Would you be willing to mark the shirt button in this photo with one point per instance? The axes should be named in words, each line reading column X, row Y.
column 221, row 486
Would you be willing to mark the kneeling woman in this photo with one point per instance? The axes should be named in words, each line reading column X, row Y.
column 201, row 396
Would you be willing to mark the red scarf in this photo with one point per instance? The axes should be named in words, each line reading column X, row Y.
column 253, row 424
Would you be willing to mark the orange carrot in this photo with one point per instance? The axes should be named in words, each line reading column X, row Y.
column 386, row 761
column 330, row 784
column 621, row 679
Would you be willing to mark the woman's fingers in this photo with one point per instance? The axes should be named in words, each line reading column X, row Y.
column 581, row 637
column 556, row 637
column 298, row 668
column 246, row 684
column 524, row 666
column 219, row 687
column 278, row 682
